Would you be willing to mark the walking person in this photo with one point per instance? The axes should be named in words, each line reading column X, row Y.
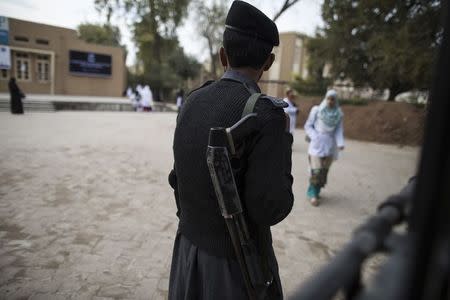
column 147, row 99
column 204, row 264
column 180, row 99
column 132, row 97
column 291, row 110
column 16, row 97
column 325, row 132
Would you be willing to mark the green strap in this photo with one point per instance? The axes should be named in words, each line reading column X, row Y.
column 250, row 105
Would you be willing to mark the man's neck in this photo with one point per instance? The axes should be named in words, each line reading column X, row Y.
column 253, row 74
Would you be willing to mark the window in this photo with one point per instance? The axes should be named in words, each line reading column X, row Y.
column 43, row 68
column 21, row 38
column 22, row 67
column 4, row 74
column 42, row 41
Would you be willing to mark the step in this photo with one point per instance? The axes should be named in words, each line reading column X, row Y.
column 32, row 106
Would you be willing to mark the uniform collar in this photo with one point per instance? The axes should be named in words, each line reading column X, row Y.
column 237, row 76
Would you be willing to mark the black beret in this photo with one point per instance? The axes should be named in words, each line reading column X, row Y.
column 247, row 19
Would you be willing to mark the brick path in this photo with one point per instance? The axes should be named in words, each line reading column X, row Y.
column 86, row 211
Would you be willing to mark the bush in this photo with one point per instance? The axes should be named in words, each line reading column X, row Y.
column 310, row 86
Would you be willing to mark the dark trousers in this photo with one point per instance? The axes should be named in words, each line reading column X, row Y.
column 197, row 275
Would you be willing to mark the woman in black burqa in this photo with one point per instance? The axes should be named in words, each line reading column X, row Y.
column 16, row 97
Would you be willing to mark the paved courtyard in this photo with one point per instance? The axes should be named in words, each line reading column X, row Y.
column 86, row 211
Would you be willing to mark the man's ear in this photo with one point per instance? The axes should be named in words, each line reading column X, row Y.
column 269, row 62
column 223, row 57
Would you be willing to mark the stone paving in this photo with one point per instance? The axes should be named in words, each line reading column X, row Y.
column 86, row 211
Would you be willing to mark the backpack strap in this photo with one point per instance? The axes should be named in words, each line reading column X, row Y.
column 250, row 105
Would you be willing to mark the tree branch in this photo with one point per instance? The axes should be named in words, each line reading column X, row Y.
column 286, row 5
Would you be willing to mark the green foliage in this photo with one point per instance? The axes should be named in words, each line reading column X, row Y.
column 165, row 64
column 166, row 14
column 311, row 86
column 155, row 23
column 184, row 66
column 106, row 34
column 317, row 56
column 133, row 79
column 382, row 43
column 315, row 84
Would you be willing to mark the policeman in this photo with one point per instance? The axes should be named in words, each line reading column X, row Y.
column 204, row 265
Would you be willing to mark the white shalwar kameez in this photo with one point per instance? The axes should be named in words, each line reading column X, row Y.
column 324, row 128
column 147, row 98
column 325, row 141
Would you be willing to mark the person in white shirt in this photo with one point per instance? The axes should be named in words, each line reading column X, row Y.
column 180, row 99
column 132, row 96
column 130, row 93
column 325, row 132
column 139, row 89
column 291, row 110
column 147, row 98
column 138, row 97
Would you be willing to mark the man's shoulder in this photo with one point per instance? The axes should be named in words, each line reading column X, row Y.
column 270, row 109
column 205, row 84
column 274, row 102
column 268, row 105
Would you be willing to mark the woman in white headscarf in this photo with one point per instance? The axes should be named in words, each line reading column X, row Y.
column 325, row 131
column 147, row 98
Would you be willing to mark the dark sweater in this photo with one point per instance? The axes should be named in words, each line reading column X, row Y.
column 263, row 174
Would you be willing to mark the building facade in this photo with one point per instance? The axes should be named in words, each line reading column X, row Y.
column 46, row 59
column 291, row 60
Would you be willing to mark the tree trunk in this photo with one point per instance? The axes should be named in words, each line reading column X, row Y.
column 392, row 96
column 395, row 89
column 157, row 52
column 156, row 48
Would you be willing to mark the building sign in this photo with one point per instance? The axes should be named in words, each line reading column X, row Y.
column 4, row 31
column 90, row 64
column 5, row 57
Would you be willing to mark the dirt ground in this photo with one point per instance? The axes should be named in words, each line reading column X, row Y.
column 86, row 211
column 378, row 121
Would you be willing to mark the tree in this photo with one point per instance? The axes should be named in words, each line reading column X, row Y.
column 211, row 24
column 155, row 23
column 382, row 43
column 99, row 34
column 316, row 83
column 184, row 66
column 105, row 34
column 286, row 5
